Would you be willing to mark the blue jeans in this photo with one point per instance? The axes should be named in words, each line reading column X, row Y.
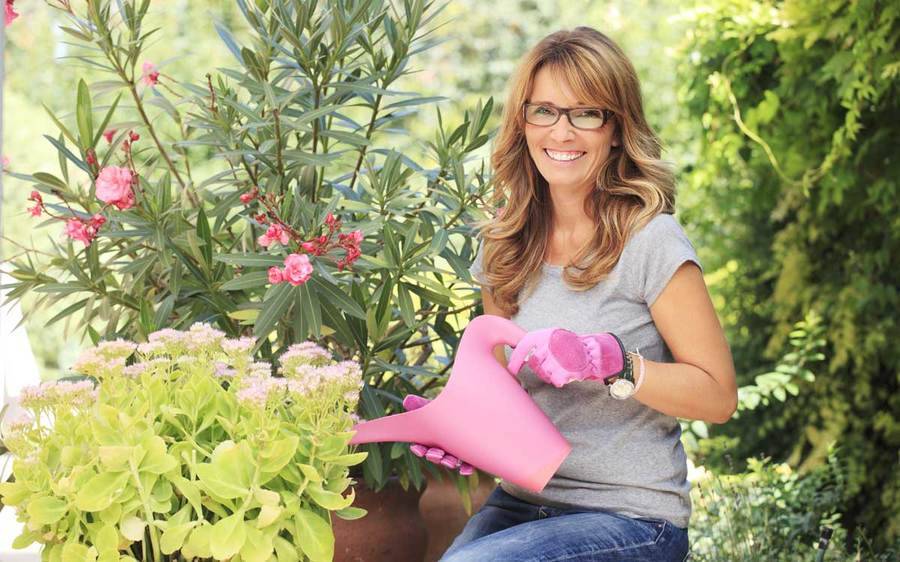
column 509, row 529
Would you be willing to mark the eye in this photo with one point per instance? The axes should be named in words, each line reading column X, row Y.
column 592, row 113
column 544, row 110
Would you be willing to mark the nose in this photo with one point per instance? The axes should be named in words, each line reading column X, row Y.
column 562, row 130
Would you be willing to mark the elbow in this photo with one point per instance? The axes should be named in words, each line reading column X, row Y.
column 725, row 413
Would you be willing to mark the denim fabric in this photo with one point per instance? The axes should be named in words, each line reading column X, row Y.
column 509, row 529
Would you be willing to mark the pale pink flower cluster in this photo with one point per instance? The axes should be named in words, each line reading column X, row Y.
column 306, row 352
column 297, row 270
column 222, row 370
column 344, row 377
column 138, row 369
column 260, row 369
column 257, row 391
column 114, row 187
column 201, row 337
column 275, row 233
column 58, row 393
column 135, row 370
column 239, row 347
column 106, row 359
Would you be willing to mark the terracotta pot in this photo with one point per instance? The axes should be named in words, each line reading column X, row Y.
column 392, row 531
column 442, row 509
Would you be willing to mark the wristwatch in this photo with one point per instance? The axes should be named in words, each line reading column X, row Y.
column 621, row 385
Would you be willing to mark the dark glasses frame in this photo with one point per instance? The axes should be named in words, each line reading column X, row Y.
column 606, row 113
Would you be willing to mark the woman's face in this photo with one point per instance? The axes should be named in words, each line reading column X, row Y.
column 552, row 147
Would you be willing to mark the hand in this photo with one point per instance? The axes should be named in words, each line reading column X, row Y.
column 434, row 454
column 560, row 356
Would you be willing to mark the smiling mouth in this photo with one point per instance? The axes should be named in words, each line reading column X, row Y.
column 568, row 156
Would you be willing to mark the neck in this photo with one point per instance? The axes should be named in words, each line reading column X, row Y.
column 569, row 217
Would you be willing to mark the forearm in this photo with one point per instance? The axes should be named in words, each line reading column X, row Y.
column 684, row 391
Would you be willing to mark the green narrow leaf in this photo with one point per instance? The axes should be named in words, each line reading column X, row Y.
column 106, row 119
column 337, row 297
column 250, row 260
column 64, row 151
column 246, row 281
column 62, row 128
column 273, row 310
column 205, row 236
column 84, row 117
column 407, row 312
column 50, row 180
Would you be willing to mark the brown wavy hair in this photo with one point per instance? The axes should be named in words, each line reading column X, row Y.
column 633, row 185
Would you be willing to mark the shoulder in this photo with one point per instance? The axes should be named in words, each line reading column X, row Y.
column 659, row 229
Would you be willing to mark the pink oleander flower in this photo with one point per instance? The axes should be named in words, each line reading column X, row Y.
column 275, row 233
column 275, row 275
column 77, row 230
column 150, row 75
column 114, row 186
column 108, row 134
column 297, row 269
column 38, row 204
column 10, row 12
column 246, row 198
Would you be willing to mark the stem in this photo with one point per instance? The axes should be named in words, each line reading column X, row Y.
column 280, row 160
column 369, row 131
column 154, row 539
column 140, row 107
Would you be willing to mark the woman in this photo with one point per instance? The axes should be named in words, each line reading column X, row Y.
column 587, row 243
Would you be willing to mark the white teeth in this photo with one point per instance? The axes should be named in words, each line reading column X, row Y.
column 563, row 156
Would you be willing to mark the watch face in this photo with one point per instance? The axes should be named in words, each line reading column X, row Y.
column 621, row 389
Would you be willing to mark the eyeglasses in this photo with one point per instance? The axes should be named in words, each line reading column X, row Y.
column 587, row 118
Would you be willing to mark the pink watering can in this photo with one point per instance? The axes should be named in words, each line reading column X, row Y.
column 482, row 415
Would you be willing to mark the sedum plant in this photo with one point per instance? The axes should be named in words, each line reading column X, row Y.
column 193, row 450
column 268, row 200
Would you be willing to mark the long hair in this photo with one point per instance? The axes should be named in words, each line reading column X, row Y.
column 632, row 186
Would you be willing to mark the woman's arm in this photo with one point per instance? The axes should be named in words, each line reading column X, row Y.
column 701, row 384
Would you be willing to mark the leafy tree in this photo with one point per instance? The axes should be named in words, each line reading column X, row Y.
column 799, row 104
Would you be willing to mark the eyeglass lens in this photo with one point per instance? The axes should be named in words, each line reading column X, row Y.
column 545, row 115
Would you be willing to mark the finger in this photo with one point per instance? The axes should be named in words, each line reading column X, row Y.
column 413, row 402
column 450, row 461
column 518, row 355
column 418, row 450
column 435, row 455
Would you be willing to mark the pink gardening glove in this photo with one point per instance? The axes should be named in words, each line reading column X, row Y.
column 434, row 454
column 560, row 356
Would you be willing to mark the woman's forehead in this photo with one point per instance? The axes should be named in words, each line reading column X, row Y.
column 551, row 86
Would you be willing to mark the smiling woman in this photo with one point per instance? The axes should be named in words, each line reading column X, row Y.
column 622, row 338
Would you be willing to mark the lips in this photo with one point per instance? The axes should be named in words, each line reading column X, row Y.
column 564, row 156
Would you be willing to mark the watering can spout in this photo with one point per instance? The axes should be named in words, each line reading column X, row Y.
column 482, row 415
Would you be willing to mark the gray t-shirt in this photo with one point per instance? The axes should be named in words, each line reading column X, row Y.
column 626, row 457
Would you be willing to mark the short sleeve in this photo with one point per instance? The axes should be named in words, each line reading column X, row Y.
column 477, row 267
column 658, row 250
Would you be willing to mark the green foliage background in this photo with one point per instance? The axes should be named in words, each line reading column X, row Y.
column 798, row 171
